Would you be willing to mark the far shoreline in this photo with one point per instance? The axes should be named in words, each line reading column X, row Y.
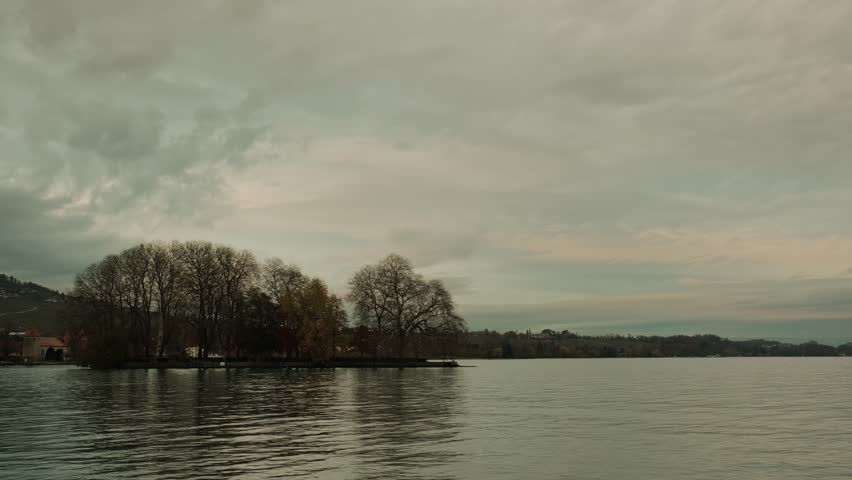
column 270, row 365
column 365, row 364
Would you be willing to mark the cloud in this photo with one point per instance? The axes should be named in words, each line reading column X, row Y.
column 115, row 134
column 428, row 247
column 534, row 152
column 693, row 309
column 38, row 242
column 752, row 247
column 460, row 285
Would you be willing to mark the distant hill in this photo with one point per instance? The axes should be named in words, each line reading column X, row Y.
column 25, row 305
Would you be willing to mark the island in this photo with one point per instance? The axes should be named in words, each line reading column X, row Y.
column 197, row 304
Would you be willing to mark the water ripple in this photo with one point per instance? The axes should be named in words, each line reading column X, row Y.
column 624, row 418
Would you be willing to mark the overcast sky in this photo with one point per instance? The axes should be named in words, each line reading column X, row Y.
column 646, row 166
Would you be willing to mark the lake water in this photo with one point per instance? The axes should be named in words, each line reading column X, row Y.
column 736, row 418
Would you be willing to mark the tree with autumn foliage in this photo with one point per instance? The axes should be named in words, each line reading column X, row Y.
column 314, row 317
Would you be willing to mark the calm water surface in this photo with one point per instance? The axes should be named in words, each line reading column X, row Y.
column 574, row 419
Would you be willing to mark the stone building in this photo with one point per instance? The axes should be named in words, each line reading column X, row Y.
column 44, row 349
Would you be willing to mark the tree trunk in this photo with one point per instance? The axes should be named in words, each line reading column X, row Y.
column 400, row 346
column 148, row 339
column 161, row 333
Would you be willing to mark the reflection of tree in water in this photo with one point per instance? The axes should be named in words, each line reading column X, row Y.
column 264, row 423
column 270, row 422
column 117, row 423
column 407, row 422
column 210, row 424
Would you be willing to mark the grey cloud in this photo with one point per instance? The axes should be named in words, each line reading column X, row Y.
column 116, row 134
column 125, row 60
column 39, row 244
column 694, row 310
column 451, row 124
column 47, row 25
column 429, row 247
column 460, row 286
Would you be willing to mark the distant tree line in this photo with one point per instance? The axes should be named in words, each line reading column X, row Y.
column 11, row 285
column 197, row 299
column 165, row 301
column 566, row 344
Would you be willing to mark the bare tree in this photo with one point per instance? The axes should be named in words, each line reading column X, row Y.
column 371, row 304
column 394, row 301
column 291, row 320
column 278, row 278
column 203, row 286
column 139, row 298
column 238, row 271
column 168, row 277
column 339, row 320
column 100, row 291
column 197, row 293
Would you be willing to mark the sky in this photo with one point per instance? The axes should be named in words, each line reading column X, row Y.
column 653, row 166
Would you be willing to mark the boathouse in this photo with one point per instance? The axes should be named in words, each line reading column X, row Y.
column 44, row 349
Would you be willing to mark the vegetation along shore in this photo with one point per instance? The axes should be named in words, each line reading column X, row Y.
column 201, row 305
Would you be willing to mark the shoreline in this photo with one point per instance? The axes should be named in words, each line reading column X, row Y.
column 359, row 364
column 210, row 364
column 290, row 364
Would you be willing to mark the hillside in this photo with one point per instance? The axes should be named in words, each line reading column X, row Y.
column 25, row 305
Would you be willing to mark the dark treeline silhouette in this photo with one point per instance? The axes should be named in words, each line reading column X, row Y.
column 565, row 344
column 178, row 301
column 182, row 300
column 11, row 286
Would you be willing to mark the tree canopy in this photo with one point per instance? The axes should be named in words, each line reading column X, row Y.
column 390, row 298
column 166, row 300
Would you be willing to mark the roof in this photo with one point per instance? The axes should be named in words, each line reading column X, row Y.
column 50, row 342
